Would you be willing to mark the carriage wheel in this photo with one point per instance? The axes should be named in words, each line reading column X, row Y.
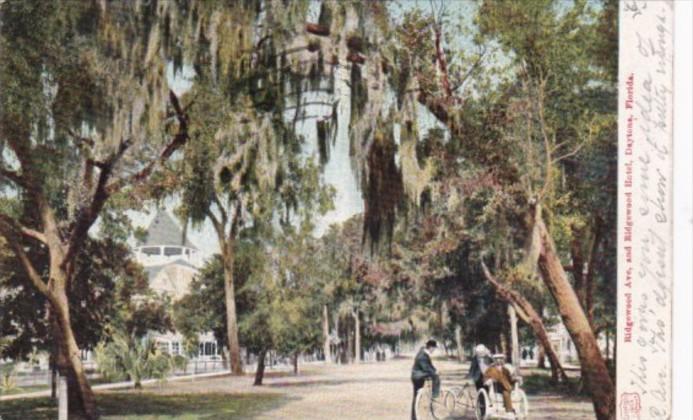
column 482, row 405
column 520, row 403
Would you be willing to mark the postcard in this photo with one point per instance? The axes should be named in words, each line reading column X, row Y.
column 327, row 209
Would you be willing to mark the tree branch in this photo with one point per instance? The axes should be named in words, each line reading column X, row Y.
column 28, row 266
column 13, row 176
column 176, row 143
column 236, row 219
column 19, row 228
column 81, row 140
column 106, row 188
column 507, row 294
column 218, row 227
column 547, row 146
column 469, row 72
column 87, row 215
column 222, row 210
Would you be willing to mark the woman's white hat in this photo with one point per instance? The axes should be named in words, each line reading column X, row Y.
column 481, row 350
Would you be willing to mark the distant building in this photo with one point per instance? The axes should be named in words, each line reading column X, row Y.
column 171, row 262
column 563, row 345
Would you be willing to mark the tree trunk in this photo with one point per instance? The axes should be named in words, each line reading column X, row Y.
column 80, row 395
column 260, row 371
column 578, row 264
column 592, row 363
column 504, row 347
column 338, row 347
column 54, row 374
column 541, row 356
column 357, row 337
column 349, row 346
column 326, row 334
column 589, row 277
column 524, row 309
column 224, row 358
column 458, row 342
column 230, row 302
column 295, row 362
column 514, row 337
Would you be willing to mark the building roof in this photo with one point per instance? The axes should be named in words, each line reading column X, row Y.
column 163, row 230
column 153, row 270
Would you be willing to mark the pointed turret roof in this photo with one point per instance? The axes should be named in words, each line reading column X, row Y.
column 163, row 230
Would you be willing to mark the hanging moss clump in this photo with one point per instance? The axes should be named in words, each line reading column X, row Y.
column 359, row 93
column 383, row 190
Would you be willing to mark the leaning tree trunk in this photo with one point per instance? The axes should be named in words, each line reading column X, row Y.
column 260, row 371
column 593, row 366
column 527, row 313
column 326, row 334
column 230, row 303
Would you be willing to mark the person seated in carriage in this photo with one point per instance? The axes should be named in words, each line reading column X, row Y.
column 484, row 368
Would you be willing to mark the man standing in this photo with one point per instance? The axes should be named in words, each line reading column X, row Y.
column 423, row 369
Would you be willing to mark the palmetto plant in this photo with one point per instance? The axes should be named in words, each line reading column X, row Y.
column 130, row 358
column 8, row 377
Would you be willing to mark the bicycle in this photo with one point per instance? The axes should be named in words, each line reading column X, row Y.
column 426, row 407
column 464, row 399
column 487, row 402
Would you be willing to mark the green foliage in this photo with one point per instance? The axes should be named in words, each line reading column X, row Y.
column 110, row 289
column 8, row 378
column 277, row 296
column 126, row 357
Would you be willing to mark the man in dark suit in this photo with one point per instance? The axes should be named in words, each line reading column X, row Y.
column 423, row 369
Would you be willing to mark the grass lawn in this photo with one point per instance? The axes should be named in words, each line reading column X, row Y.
column 537, row 383
column 144, row 406
column 37, row 388
column 21, row 390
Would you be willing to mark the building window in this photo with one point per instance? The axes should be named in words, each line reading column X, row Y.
column 163, row 346
column 175, row 347
column 208, row 348
column 151, row 250
column 168, row 251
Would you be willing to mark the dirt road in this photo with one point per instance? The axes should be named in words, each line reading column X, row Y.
column 364, row 391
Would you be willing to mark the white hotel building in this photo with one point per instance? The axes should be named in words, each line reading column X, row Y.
column 171, row 262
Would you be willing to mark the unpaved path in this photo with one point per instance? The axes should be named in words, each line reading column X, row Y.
column 362, row 391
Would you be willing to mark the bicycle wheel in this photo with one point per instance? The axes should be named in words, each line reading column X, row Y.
column 422, row 407
column 482, row 409
column 439, row 406
column 468, row 399
column 520, row 403
column 450, row 400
